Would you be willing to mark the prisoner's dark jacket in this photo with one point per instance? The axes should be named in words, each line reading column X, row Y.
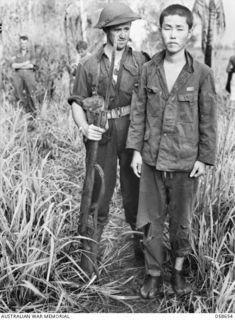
column 173, row 130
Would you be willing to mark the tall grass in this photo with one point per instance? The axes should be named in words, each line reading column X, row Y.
column 41, row 174
column 214, row 245
column 39, row 204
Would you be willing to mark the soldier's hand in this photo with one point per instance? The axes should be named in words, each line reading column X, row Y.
column 92, row 132
column 136, row 163
column 199, row 169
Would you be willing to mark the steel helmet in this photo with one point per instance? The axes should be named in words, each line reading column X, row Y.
column 115, row 14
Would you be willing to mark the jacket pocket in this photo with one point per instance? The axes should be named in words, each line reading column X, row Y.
column 153, row 100
column 130, row 78
column 187, row 107
column 133, row 70
column 103, row 83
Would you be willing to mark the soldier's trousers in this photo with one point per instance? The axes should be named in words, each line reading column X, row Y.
column 163, row 193
column 111, row 152
column 25, row 80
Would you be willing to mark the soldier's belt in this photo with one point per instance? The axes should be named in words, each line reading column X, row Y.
column 118, row 112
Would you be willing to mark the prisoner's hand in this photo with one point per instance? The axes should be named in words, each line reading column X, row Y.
column 92, row 132
column 136, row 163
column 199, row 169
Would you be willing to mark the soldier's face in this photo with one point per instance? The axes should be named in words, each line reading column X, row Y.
column 120, row 33
column 175, row 33
column 23, row 44
column 82, row 52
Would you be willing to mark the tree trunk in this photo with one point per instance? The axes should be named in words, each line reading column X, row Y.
column 66, row 31
column 83, row 16
column 30, row 12
column 210, row 34
column 68, row 48
column 1, row 62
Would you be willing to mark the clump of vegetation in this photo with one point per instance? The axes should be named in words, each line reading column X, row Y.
column 41, row 177
column 42, row 170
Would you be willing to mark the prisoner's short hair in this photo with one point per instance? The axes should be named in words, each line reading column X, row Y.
column 177, row 9
column 81, row 45
column 24, row 37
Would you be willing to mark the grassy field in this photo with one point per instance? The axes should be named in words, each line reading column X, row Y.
column 41, row 175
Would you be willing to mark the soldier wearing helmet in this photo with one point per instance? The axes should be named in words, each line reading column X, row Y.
column 115, row 20
column 115, row 14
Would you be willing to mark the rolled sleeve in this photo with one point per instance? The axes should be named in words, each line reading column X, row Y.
column 207, row 121
column 81, row 86
column 135, row 137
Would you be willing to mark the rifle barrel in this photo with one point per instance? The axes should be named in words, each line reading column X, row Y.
column 110, row 78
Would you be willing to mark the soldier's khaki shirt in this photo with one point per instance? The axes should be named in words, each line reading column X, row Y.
column 121, row 90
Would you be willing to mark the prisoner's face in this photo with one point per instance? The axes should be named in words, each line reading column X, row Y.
column 175, row 33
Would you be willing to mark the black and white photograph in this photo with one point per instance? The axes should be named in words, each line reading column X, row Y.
column 117, row 159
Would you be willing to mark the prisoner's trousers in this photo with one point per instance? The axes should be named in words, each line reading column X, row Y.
column 163, row 193
column 24, row 81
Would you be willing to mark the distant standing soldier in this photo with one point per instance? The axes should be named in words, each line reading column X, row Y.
column 24, row 77
column 230, row 86
column 115, row 20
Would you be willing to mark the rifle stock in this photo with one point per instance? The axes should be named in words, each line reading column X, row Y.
column 88, row 259
column 85, row 206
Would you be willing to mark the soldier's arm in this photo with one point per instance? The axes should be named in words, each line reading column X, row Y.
column 91, row 132
column 22, row 65
column 81, row 91
column 28, row 64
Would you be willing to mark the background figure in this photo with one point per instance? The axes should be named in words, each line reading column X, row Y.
column 82, row 54
column 24, row 77
column 230, row 85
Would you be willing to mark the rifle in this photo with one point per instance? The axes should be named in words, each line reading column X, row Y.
column 96, row 109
